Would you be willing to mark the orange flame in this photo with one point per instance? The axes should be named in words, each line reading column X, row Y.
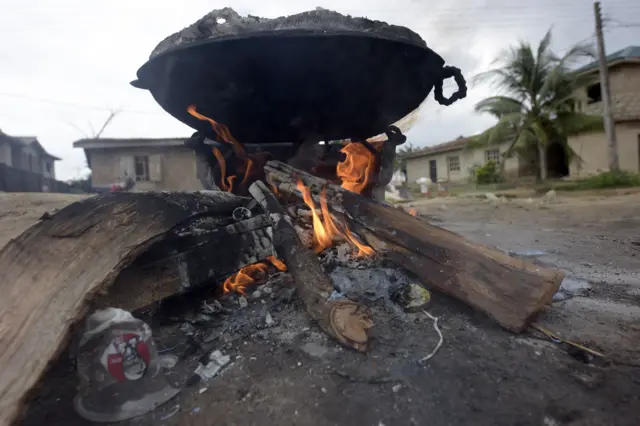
column 226, row 182
column 413, row 212
column 325, row 231
column 251, row 274
column 358, row 170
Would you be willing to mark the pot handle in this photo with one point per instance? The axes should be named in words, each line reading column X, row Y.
column 446, row 73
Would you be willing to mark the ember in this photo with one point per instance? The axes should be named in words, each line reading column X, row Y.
column 251, row 274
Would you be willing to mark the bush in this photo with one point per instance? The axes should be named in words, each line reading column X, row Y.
column 610, row 180
column 489, row 173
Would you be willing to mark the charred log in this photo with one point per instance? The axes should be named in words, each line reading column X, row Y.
column 509, row 290
column 186, row 261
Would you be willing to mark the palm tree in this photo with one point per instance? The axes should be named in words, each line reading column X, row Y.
column 534, row 102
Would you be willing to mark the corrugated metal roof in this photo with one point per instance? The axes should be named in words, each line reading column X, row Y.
column 628, row 53
column 453, row 145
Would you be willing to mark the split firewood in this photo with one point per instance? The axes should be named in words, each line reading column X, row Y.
column 51, row 272
column 342, row 319
column 509, row 290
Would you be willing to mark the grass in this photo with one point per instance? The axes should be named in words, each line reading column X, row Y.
column 606, row 180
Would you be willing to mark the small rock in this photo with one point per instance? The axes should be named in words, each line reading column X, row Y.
column 396, row 388
column 268, row 320
column 343, row 252
column 202, row 390
column 314, row 349
column 412, row 297
column 265, row 289
column 491, row 196
column 256, row 294
column 323, row 390
column 529, row 201
column 549, row 197
column 242, row 301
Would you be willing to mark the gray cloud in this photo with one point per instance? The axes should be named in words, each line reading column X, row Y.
column 86, row 52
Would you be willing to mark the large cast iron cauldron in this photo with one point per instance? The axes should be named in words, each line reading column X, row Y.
column 317, row 75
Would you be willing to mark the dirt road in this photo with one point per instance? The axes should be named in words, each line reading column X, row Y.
column 20, row 211
column 483, row 375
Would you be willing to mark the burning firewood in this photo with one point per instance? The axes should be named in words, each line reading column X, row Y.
column 509, row 290
column 342, row 319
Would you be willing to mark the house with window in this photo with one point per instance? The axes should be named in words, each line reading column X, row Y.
column 454, row 162
column 27, row 154
column 592, row 148
column 152, row 164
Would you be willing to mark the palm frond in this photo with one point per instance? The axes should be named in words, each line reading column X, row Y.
column 572, row 123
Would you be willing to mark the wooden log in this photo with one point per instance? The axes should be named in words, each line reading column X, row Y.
column 509, row 290
column 343, row 319
column 49, row 274
column 181, row 263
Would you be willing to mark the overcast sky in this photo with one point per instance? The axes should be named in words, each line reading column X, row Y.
column 66, row 63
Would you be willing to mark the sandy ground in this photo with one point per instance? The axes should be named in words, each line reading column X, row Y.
column 483, row 375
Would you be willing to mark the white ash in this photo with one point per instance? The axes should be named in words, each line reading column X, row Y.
column 370, row 285
column 345, row 255
column 242, row 301
column 305, row 235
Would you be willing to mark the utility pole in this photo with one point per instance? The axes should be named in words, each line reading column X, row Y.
column 607, row 114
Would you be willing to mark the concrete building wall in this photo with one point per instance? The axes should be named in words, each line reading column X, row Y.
column 5, row 154
column 467, row 158
column 592, row 147
column 625, row 93
column 593, row 150
column 48, row 168
column 170, row 168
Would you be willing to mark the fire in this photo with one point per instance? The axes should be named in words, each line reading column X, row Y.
column 226, row 182
column 413, row 212
column 325, row 231
column 251, row 274
column 358, row 170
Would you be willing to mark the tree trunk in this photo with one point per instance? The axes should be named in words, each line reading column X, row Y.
column 542, row 161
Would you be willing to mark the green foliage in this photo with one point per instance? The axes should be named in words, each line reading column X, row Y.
column 82, row 184
column 400, row 162
column 534, row 100
column 489, row 173
column 619, row 179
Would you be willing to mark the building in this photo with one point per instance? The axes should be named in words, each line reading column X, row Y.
column 27, row 154
column 154, row 164
column 453, row 162
column 592, row 148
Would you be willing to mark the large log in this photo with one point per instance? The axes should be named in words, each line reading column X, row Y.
column 343, row 319
column 184, row 261
column 509, row 290
column 50, row 273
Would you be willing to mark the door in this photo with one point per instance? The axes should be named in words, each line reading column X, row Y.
column 433, row 171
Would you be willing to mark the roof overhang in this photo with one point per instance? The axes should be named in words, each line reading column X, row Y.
column 612, row 64
column 128, row 143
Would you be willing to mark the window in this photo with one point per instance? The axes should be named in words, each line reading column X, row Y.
column 142, row 169
column 492, row 155
column 594, row 93
column 453, row 163
column 48, row 166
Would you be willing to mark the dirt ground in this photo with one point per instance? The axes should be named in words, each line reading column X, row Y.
column 20, row 211
column 290, row 374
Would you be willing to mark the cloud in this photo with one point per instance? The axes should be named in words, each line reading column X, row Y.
column 85, row 53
